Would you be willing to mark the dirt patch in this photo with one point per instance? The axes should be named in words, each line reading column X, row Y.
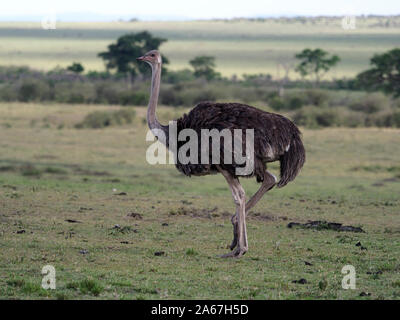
column 8, row 186
column 72, row 221
column 394, row 179
column 30, row 171
column 88, row 172
column 266, row 216
column 135, row 215
column 7, row 168
column 117, row 229
column 324, row 225
column 45, row 156
column 300, row 281
column 55, row 170
column 186, row 202
column 112, row 180
column 226, row 214
column 263, row 216
column 382, row 182
column 195, row 213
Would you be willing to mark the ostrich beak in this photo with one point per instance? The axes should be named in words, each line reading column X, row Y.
column 140, row 58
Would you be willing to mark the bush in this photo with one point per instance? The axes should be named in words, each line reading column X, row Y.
column 294, row 100
column 276, row 103
column 102, row 119
column 246, row 94
column 8, row 93
column 352, row 119
column 76, row 67
column 394, row 120
column 294, row 103
column 101, row 75
column 32, row 90
column 133, row 98
column 180, row 88
column 89, row 286
column 396, row 103
column 192, row 96
column 391, row 119
column 15, row 72
column 107, row 93
column 371, row 103
column 205, row 95
column 316, row 97
column 260, row 79
column 170, row 97
column 327, row 118
column 289, row 102
column 312, row 117
column 179, row 76
column 74, row 92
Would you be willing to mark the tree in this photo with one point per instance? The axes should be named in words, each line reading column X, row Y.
column 122, row 54
column 286, row 65
column 385, row 73
column 315, row 62
column 204, row 67
column 76, row 67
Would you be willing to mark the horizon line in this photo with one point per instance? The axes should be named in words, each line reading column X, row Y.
column 126, row 18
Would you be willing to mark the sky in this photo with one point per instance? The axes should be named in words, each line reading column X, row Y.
column 101, row 10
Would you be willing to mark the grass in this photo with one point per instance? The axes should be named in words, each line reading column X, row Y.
column 239, row 47
column 115, row 227
column 101, row 119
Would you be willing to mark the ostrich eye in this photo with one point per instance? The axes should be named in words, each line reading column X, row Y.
column 152, row 54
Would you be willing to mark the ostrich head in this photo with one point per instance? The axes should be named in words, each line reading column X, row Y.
column 152, row 57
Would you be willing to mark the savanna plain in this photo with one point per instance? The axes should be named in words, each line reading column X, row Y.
column 114, row 227
column 87, row 202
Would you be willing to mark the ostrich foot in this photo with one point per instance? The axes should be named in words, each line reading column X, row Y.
column 233, row 244
column 237, row 253
column 235, row 233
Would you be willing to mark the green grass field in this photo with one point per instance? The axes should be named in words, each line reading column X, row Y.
column 239, row 47
column 51, row 172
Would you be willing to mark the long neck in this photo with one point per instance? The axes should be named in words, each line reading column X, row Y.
column 155, row 90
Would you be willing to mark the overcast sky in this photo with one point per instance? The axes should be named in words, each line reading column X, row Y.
column 188, row 9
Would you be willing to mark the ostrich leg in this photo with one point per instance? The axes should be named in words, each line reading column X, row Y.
column 268, row 183
column 240, row 201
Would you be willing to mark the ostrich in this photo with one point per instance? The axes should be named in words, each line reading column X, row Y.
column 275, row 138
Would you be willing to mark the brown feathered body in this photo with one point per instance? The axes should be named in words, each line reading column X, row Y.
column 275, row 138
